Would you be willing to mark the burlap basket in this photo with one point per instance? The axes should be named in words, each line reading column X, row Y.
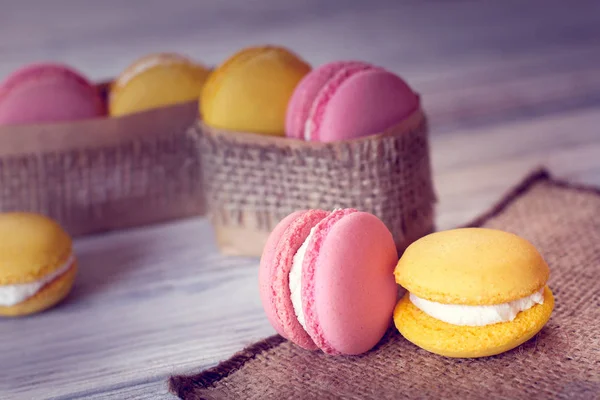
column 253, row 181
column 561, row 362
column 106, row 173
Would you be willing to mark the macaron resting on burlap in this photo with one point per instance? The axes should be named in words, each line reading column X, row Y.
column 37, row 264
column 472, row 292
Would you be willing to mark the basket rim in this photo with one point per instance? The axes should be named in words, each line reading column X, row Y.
column 410, row 123
column 25, row 139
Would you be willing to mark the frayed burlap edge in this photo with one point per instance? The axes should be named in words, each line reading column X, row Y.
column 184, row 386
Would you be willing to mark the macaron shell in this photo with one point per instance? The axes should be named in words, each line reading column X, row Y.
column 41, row 71
column 148, row 62
column 368, row 102
column 472, row 266
column 48, row 93
column 169, row 80
column 348, row 289
column 470, row 341
column 251, row 92
column 291, row 240
column 50, row 295
column 305, row 94
column 31, row 246
column 275, row 266
column 265, row 272
column 213, row 84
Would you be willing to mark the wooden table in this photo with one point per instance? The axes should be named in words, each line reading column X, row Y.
column 508, row 86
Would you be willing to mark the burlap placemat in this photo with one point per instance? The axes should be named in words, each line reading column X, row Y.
column 562, row 361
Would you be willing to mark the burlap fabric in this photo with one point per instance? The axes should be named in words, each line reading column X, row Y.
column 104, row 174
column 253, row 181
column 562, row 361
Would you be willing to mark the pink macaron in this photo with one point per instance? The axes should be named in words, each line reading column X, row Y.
column 348, row 99
column 48, row 92
column 327, row 282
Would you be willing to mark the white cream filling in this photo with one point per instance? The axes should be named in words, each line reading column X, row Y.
column 308, row 128
column 465, row 315
column 15, row 294
column 296, row 279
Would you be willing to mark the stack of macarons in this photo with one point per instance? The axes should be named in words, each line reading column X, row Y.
column 53, row 92
column 272, row 91
column 327, row 281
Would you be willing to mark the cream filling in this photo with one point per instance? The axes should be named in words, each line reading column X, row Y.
column 295, row 279
column 308, row 128
column 458, row 314
column 11, row 295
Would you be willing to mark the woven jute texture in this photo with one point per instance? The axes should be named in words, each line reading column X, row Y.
column 104, row 174
column 562, row 361
column 253, row 181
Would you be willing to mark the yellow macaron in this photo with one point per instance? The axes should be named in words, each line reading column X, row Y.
column 37, row 263
column 472, row 292
column 250, row 91
column 156, row 80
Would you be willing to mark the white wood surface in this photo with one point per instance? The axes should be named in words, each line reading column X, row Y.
column 508, row 86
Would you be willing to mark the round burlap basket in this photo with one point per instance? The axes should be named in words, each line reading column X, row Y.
column 253, row 181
